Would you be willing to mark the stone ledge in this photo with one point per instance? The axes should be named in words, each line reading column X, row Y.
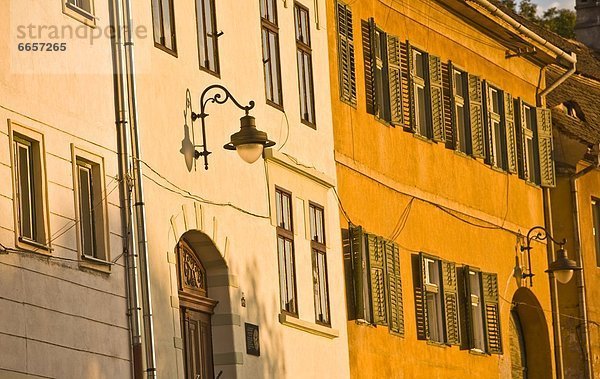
column 308, row 327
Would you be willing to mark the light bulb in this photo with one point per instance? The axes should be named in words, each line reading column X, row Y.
column 250, row 152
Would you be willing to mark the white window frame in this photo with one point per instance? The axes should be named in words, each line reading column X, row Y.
column 101, row 223
column 475, row 302
column 35, row 139
column 434, row 287
column 419, row 83
column 496, row 120
column 528, row 130
column 74, row 9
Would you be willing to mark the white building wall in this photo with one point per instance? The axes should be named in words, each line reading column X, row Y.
column 59, row 319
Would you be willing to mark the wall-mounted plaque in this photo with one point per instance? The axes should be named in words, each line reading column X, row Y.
column 252, row 340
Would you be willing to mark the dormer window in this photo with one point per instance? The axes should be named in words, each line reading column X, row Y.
column 573, row 109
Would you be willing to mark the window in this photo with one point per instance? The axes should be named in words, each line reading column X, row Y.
column 347, row 73
column 82, row 5
column 482, row 316
column 530, row 149
column 383, row 77
column 91, row 208
column 373, row 281
column 305, row 71
column 461, row 115
column 418, row 90
column 285, row 249
column 319, row 264
column 436, row 299
column 208, row 37
column 163, row 19
column 30, row 207
column 270, row 48
column 596, row 228
column 496, row 136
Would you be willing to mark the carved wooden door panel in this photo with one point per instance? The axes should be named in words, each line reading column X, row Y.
column 198, row 345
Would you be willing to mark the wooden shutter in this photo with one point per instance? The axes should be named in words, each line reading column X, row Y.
column 394, row 285
column 492, row 313
column 368, row 31
column 450, row 103
column 475, row 102
column 488, row 129
column 421, row 301
column 411, row 87
column 395, row 79
column 346, row 54
column 436, row 97
column 356, row 276
column 450, row 288
column 509, row 125
column 377, row 279
column 544, row 135
column 405, row 72
column 520, row 136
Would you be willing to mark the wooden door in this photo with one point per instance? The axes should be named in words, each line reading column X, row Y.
column 198, row 344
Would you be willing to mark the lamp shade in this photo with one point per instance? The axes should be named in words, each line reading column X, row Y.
column 249, row 141
column 563, row 267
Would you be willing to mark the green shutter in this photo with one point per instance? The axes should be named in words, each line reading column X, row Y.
column 450, row 298
column 356, row 275
column 544, row 129
column 395, row 79
column 411, row 87
column 396, row 308
column 376, row 257
column 368, row 31
column 509, row 125
column 488, row 130
column 436, row 97
column 421, row 302
column 492, row 313
column 476, row 116
column 346, row 61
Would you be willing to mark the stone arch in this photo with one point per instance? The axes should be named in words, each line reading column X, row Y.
column 204, row 283
column 529, row 331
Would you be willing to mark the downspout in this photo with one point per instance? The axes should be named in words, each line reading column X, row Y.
column 138, row 190
column 129, row 248
column 580, row 274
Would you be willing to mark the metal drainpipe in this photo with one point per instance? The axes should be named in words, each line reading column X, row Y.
column 138, row 190
column 122, row 115
column 580, row 274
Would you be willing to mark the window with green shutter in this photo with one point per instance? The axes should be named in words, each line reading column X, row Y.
column 482, row 311
column 436, row 301
column 383, row 75
column 346, row 62
column 373, row 280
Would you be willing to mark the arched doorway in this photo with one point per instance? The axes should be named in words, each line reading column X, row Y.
column 531, row 353
column 196, row 309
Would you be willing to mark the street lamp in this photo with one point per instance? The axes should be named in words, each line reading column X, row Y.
column 562, row 267
column 249, row 142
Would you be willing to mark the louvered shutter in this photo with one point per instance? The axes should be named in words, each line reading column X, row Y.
column 544, row 135
column 355, row 264
column 377, row 279
column 421, row 301
column 509, row 124
column 368, row 31
column 396, row 308
column 476, row 116
column 450, row 288
column 395, row 79
column 411, row 87
column 450, row 91
column 488, row 129
column 436, row 97
column 520, row 136
column 492, row 313
column 346, row 54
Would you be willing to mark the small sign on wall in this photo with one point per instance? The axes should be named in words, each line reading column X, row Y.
column 252, row 340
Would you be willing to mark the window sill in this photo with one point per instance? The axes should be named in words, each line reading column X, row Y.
column 33, row 247
column 533, row 184
column 165, row 49
column 478, row 352
column 91, row 263
column 275, row 105
column 437, row 344
column 422, row 138
column 309, row 124
column 499, row 169
column 216, row 74
column 308, row 327
column 79, row 14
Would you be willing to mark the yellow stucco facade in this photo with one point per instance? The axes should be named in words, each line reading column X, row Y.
column 430, row 198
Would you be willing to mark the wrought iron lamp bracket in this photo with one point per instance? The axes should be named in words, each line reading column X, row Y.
column 537, row 233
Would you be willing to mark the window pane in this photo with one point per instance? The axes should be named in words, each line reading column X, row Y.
column 476, row 311
column 267, row 64
column 211, row 37
column 461, row 127
column 274, row 58
column 419, row 64
column 166, row 19
column 421, row 111
column 497, row 141
column 458, row 83
column 86, row 211
column 282, row 276
column 156, row 20
column 531, row 166
column 25, row 189
column 308, row 87
column 202, row 31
